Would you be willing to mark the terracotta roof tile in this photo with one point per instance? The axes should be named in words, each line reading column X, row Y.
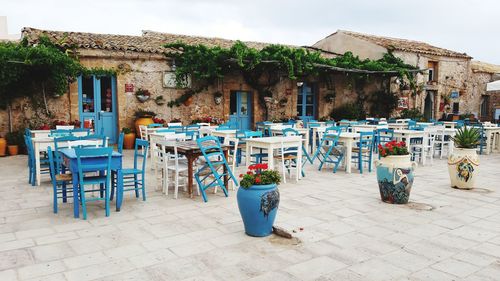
column 405, row 45
column 96, row 41
column 479, row 66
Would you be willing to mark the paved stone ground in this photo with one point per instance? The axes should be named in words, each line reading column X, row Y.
column 348, row 233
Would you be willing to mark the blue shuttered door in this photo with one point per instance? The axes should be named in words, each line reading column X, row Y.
column 306, row 103
column 240, row 109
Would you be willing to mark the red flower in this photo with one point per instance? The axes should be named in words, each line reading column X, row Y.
column 249, row 173
column 241, row 175
column 257, row 180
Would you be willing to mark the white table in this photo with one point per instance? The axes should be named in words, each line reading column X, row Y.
column 272, row 143
column 348, row 140
column 304, row 132
column 224, row 133
column 206, row 130
column 450, row 124
column 398, row 126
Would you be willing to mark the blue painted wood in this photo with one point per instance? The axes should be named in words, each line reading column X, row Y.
column 71, row 163
column 242, row 118
column 306, row 103
column 364, row 151
column 104, row 121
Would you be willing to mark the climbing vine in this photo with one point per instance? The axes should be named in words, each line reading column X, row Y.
column 207, row 64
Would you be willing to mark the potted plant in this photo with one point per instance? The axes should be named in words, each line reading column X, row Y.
column 3, row 146
column 159, row 100
column 142, row 95
column 463, row 162
column 128, row 138
column 218, row 97
column 395, row 172
column 258, row 199
column 13, row 141
column 143, row 117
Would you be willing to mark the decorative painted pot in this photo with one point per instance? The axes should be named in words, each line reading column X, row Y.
column 395, row 177
column 258, row 206
column 3, row 146
column 128, row 141
column 188, row 101
column 463, row 166
column 143, row 121
column 13, row 149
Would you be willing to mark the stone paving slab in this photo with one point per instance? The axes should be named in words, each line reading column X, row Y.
column 347, row 232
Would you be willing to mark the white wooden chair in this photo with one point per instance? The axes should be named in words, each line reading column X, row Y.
column 425, row 148
column 232, row 156
column 289, row 161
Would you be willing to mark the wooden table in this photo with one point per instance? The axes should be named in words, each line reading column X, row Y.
column 71, row 163
column 192, row 151
column 272, row 143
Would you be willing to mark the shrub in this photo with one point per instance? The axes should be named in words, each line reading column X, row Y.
column 350, row 111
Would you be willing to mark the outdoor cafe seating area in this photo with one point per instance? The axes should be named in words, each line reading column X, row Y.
column 202, row 159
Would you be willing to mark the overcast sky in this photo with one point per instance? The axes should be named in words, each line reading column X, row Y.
column 460, row 25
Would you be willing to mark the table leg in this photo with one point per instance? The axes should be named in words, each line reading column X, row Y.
column 37, row 163
column 348, row 156
column 299, row 161
column 248, row 153
column 488, row 141
column 313, row 144
column 270, row 157
column 76, row 198
column 307, row 139
column 226, row 177
column 190, row 175
column 119, row 189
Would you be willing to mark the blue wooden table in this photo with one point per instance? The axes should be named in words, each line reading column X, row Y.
column 70, row 161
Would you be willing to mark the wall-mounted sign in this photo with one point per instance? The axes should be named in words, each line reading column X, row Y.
column 129, row 88
column 454, row 94
column 169, row 80
column 403, row 103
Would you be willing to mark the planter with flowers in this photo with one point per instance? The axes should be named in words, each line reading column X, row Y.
column 258, row 199
column 463, row 162
column 128, row 138
column 142, row 95
column 395, row 172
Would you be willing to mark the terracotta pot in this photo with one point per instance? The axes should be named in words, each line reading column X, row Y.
column 13, row 149
column 463, row 166
column 188, row 102
column 128, row 141
column 3, row 146
column 143, row 121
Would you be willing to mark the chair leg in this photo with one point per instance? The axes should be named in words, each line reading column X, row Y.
column 55, row 200
column 176, row 187
column 136, row 186
column 112, row 192
column 106, row 199
column 84, row 204
column 143, row 181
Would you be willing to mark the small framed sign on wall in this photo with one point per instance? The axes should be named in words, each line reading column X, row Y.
column 169, row 80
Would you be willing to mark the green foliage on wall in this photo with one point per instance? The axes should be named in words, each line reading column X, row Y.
column 383, row 103
column 207, row 64
column 348, row 111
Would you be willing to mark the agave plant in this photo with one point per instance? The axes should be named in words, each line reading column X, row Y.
column 467, row 137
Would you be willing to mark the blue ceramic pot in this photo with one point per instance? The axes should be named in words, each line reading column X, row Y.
column 395, row 178
column 258, row 206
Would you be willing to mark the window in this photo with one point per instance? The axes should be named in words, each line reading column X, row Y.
column 433, row 71
column 484, row 106
column 456, row 107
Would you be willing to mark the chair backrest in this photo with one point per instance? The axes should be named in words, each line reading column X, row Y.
column 223, row 128
column 334, row 130
column 87, row 166
column 192, row 135
column 233, row 143
column 385, row 135
column 60, row 133
column 85, row 143
column 192, row 127
column 174, row 124
column 52, row 166
column 232, row 124
column 366, row 140
column 119, row 145
column 172, row 131
column 177, row 129
column 290, row 132
column 102, row 139
column 331, row 135
column 155, row 125
column 81, row 130
column 140, row 153
column 412, row 124
column 253, row 134
column 330, row 122
column 142, row 132
column 61, row 142
column 203, row 124
column 30, row 149
column 210, row 148
column 65, row 127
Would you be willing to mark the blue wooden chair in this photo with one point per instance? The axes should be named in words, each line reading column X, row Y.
column 177, row 129
column 44, row 162
column 330, row 123
column 212, row 173
column 61, row 142
column 130, row 177
column 102, row 180
column 155, row 125
column 119, row 145
column 59, row 182
column 363, row 152
column 328, row 151
column 165, row 130
column 77, row 130
column 223, row 128
column 383, row 136
column 60, row 133
column 259, row 157
column 412, row 125
column 482, row 137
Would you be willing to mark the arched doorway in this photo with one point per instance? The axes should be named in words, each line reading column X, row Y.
column 429, row 105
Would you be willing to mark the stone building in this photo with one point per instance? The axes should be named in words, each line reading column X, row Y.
column 485, row 83
column 450, row 79
column 140, row 63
